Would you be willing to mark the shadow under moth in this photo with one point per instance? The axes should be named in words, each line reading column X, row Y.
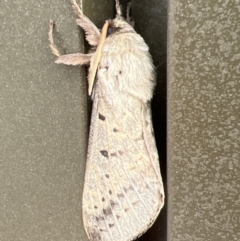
column 123, row 190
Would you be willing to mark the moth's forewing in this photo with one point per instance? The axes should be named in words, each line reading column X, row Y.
column 123, row 190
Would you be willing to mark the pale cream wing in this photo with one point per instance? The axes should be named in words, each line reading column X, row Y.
column 123, row 190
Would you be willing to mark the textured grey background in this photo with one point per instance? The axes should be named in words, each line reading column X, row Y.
column 203, row 120
column 43, row 121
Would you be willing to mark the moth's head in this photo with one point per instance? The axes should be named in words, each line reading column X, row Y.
column 119, row 25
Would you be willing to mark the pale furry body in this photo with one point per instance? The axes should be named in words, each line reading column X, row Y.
column 123, row 190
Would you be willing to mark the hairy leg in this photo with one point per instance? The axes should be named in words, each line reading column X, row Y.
column 50, row 37
column 68, row 59
column 91, row 31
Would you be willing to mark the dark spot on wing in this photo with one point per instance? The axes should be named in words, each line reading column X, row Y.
column 94, row 235
column 126, row 209
column 95, row 207
column 136, row 202
column 117, row 216
column 120, row 153
column 107, row 211
column 120, row 72
column 120, row 195
column 110, row 225
column 126, row 189
column 103, row 199
column 115, row 130
column 114, row 154
column 147, row 186
column 112, row 203
column 110, row 192
column 104, row 153
column 131, row 187
column 100, row 218
column 101, row 117
column 106, row 175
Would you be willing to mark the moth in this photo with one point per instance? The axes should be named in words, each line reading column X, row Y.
column 123, row 190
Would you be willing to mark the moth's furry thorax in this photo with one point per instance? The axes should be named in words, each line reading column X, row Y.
column 126, row 52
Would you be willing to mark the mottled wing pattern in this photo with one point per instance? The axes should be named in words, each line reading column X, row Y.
column 123, row 190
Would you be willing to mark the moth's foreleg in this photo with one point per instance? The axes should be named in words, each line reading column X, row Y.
column 91, row 31
column 74, row 59
column 68, row 59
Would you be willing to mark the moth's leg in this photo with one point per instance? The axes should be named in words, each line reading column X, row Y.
column 68, row 59
column 118, row 9
column 128, row 18
column 91, row 31
column 50, row 37
column 74, row 59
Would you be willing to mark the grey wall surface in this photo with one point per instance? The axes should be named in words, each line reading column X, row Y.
column 203, row 120
column 43, row 121
column 44, row 116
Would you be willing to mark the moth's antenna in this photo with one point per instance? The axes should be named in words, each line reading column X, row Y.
column 118, row 9
column 129, row 18
column 129, row 5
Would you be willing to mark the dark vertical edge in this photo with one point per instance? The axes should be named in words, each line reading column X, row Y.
column 150, row 19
